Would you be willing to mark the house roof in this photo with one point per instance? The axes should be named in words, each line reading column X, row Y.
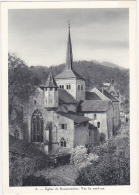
column 62, row 108
column 22, row 147
column 50, row 82
column 65, row 97
column 91, row 96
column 77, row 118
column 108, row 95
column 94, row 106
column 69, row 74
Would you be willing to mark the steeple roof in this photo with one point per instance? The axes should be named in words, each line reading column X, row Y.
column 69, row 57
column 69, row 72
column 50, row 82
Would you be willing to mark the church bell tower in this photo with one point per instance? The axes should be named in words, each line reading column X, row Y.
column 69, row 79
column 50, row 89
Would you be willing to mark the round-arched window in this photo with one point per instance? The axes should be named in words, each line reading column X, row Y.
column 63, row 142
column 37, row 127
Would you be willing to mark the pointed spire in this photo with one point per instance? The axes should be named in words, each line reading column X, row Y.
column 69, row 57
column 50, row 83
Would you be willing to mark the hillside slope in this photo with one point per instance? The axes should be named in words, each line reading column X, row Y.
column 95, row 74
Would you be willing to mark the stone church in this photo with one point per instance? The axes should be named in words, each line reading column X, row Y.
column 61, row 114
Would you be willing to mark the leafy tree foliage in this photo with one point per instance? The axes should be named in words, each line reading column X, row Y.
column 20, row 80
column 112, row 167
column 80, row 158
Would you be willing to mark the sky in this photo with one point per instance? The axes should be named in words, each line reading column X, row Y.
column 39, row 36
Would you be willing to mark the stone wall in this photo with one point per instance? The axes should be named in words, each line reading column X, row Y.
column 116, row 115
column 101, row 117
column 80, row 90
column 66, row 82
column 110, row 120
column 78, row 94
column 68, row 133
column 81, row 134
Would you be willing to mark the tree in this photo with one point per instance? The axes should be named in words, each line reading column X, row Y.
column 19, row 80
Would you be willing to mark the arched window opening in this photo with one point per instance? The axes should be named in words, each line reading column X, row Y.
column 95, row 117
column 63, row 142
column 37, row 127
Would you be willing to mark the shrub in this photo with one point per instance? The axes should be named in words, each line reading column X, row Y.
column 18, row 168
column 32, row 180
column 81, row 158
column 78, row 155
column 112, row 166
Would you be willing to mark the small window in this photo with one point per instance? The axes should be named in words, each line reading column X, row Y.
column 55, row 89
column 82, row 87
column 64, row 126
column 34, row 102
column 98, row 124
column 62, row 86
column 95, row 117
column 85, row 124
column 78, row 87
column 67, row 87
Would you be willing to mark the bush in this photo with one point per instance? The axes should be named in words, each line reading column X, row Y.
column 112, row 166
column 81, row 158
column 78, row 155
column 35, row 181
column 18, row 168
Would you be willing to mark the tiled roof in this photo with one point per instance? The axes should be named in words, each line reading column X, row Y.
column 22, row 147
column 62, row 108
column 77, row 118
column 108, row 95
column 91, row 96
column 94, row 106
column 69, row 74
column 65, row 97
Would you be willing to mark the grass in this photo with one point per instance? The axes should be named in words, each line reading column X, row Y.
column 60, row 176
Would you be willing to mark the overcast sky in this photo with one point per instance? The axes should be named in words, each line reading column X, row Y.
column 39, row 36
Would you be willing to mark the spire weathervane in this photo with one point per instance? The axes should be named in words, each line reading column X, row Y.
column 68, row 21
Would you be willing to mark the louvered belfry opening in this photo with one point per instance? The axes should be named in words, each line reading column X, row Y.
column 37, row 127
